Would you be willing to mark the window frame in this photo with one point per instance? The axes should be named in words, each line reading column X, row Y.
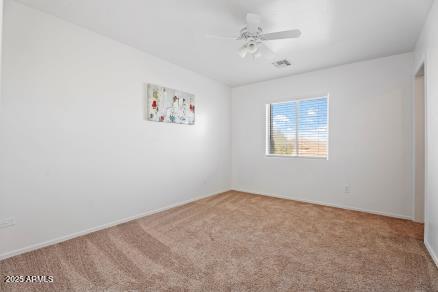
column 269, row 126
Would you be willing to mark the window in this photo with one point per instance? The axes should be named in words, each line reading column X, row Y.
column 298, row 128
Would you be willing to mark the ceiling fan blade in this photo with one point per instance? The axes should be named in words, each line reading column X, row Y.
column 253, row 22
column 288, row 34
column 220, row 37
column 265, row 52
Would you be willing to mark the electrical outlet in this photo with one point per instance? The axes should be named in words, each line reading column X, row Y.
column 7, row 222
column 347, row 189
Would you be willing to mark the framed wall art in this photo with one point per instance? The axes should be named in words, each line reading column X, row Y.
column 169, row 105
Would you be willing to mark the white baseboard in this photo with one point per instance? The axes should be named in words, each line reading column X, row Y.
column 431, row 252
column 331, row 205
column 97, row 228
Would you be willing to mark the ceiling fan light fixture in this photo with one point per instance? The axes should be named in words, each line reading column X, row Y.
column 258, row 54
column 249, row 48
column 243, row 51
column 252, row 47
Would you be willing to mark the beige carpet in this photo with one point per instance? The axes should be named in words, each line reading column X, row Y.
column 238, row 242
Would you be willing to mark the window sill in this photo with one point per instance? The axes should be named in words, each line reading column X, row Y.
column 295, row 157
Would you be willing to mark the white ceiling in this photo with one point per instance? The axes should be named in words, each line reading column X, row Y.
column 334, row 31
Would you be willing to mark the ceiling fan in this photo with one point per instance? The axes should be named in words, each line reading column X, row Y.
column 254, row 38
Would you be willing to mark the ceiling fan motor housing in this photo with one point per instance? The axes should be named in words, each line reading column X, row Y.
column 245, row 34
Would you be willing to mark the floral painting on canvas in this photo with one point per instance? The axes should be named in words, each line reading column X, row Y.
column 170, row 105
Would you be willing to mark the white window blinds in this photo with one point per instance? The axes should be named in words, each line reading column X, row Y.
column 298, row 128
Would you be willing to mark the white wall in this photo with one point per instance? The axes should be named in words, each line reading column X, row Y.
column 1, row 40
column 370, row 138
column 76, row 152
column 427, row 51
column 419, row 146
